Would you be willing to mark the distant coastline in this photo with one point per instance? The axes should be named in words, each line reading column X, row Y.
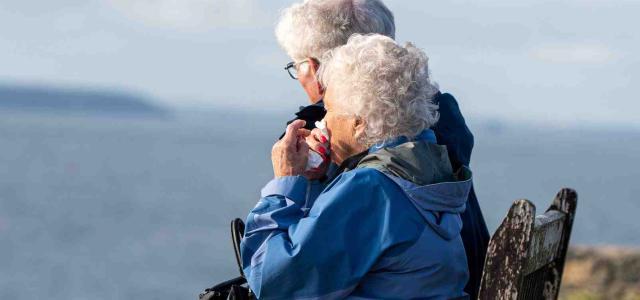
column 33, row 98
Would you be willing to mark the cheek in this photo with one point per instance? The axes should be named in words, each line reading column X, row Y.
column 305, row 77
column 331, row 126
column 338, row 132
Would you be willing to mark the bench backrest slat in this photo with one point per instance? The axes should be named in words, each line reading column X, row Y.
column 545, row 241
column 525, row 258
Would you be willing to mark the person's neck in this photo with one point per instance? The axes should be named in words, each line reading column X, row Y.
column 315, row 100
column 317, row 103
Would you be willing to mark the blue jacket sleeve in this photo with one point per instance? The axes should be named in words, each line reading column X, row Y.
column 286, row 254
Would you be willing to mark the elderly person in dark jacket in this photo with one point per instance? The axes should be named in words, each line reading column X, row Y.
column 307, row 30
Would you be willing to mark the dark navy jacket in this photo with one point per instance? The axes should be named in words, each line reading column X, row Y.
column 451, row 131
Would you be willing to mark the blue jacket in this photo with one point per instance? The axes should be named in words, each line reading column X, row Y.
column 368, row 234
column 452, row 132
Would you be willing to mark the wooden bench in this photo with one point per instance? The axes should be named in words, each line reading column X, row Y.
column 526, row 254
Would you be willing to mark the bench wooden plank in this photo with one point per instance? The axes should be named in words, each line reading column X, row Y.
column 546, row 240
column 507, row 253
column 526, row 254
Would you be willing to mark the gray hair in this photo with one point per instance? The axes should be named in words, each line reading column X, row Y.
column 311, row 28
column 385, row 84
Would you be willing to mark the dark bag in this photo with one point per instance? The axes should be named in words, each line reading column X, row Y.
column 237, row 288
column 233, row 289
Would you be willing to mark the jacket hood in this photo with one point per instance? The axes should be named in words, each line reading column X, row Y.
column 424, row 173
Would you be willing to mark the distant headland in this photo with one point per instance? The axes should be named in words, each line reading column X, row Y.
column 75, row 100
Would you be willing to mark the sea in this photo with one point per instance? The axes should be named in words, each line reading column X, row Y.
column 126, row 207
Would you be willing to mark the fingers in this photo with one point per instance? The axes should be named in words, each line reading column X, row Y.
column 290, row 136
column 317, row 146
column 303, row 132
column 317, row 133
column 290, row 139
column 318, row 142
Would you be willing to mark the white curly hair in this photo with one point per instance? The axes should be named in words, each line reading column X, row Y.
column 311, row 28
column 385, row 84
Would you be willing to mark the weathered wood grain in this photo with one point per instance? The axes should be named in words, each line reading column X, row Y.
column 545, row 241
column 526, row 254
column 507, row 253
column 565, row 201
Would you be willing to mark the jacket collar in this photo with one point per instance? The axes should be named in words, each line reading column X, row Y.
column 426, row 135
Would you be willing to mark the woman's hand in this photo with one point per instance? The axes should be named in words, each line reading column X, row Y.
column 289, row 155
column 320, row 144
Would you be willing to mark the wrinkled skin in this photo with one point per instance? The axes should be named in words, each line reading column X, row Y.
column 290, row 154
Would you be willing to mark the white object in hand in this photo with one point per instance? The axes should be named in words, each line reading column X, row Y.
column 322, row 125
column 314, row 161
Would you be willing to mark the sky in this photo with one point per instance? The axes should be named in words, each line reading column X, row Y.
column 546, row 62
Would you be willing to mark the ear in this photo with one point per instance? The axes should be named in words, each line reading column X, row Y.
column 314, row 66
column 359, row 128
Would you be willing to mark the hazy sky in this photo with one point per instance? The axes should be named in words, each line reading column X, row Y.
column 550, row 62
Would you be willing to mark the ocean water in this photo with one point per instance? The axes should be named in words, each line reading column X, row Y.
column 124, row 208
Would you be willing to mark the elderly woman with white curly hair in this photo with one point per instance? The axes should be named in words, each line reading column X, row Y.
column 390, row 227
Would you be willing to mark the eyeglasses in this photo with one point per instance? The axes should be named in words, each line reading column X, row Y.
column 292, row 67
